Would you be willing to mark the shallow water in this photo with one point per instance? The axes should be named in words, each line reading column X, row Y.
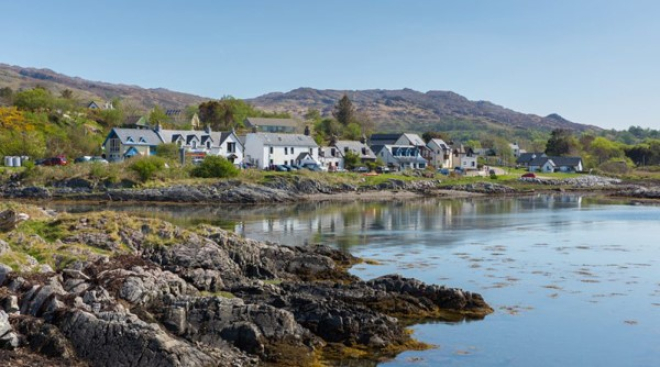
column 573, row 281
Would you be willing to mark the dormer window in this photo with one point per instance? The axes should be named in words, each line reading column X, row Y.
column 142, row 140
column 129, row 140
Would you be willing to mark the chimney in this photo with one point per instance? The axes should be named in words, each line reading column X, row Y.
column 307, row 132
column 254, row 129
column 363, row 139
column 157, row 129
column 333, row 140
column 207, row 129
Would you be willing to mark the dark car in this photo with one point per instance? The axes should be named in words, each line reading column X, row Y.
column 83, row 159
column 281, row 168
column 55, row 161
column 382, row 169
column 528, row 175
column 361, row 169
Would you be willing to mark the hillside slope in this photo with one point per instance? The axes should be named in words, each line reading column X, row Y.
column 17, row 77
column 407, row 109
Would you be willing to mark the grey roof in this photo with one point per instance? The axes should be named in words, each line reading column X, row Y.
column 261, row 121
column 556, row 161
column 170, row 136
column 132, row 136
column 286, row 140
column 326, row 152
column 356, row 147
column 415, row 139
column 384, row 139
column 302, row 156
column 441, row 143
column 525, row 158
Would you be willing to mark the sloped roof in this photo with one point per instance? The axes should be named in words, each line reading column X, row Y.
column 441, row 143
column 528, row 157
column 556, row 161
column 262, row 121
column 289, row 140
column 384, row 139
column 356, row 147
column 326, row 152
column 414, row 139
column 126, row 135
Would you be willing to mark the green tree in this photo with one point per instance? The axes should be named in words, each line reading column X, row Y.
column 34, row 99
column 561, row 142
column 351, row 160
column 344, row 111
column 604, row 150
column 215, row 167
column 147, row 167
column 352, row 131
column 158, row 116
column 67, row 94
column 168, row 151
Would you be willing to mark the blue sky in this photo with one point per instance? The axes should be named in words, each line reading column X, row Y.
column 594, row 62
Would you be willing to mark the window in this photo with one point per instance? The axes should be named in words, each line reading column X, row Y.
column 142, row 140
column 114, row 145
column 129, row 140
column 292, row 150
column 311, row 151
column 286, row 150
column 194, row 144
column 345, row 149
column 208, row 144
column 231, row 147
column 332, row 152
column 271, row 161
column 271, row 152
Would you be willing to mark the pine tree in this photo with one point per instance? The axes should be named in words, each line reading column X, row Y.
column 344, row 111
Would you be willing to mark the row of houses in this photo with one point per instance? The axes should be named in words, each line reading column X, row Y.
column 274, row 142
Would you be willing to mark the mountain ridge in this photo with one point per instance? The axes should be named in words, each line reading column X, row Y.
column 392, row 110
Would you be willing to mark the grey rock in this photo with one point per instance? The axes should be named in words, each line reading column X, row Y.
column 4, row 274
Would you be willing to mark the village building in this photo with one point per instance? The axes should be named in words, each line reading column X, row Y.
column 266, row 150
column 439, row 154
column 556, row 164
column 400, row 157
column 272, row 125
column 123, row 143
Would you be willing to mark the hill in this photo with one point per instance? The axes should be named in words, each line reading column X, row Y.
column 407, row 109
column 389, row 110
column 17, row 78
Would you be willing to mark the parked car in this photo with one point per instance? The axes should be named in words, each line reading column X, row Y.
column 528, row 175
column 444, row 171
column 98, row 159
column 290, row 167
column 361, row 169
column 54, row 161
column 281, row 168
column 313, row 167
column 382, row 169
column 83, row 159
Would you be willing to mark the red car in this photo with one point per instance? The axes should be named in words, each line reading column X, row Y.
column 528, row 175
column 55, row 161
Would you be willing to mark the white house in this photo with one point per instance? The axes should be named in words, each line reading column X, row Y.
column 265, row 150
column 556, row 164
column 331, row 158
column 439, row 154
column 463, row 157
column 125, row 143
column 400, row 156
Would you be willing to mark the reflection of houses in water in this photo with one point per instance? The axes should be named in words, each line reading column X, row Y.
column 351, row 224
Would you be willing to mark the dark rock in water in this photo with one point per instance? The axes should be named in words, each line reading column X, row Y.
column 207, row 298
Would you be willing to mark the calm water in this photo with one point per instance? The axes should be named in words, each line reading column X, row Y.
column 574, row 281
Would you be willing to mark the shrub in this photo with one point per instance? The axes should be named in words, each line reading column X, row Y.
column 215, row 167
column 147, row 167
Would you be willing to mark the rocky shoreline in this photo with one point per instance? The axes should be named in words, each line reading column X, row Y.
column 143, row 292
column 296, row 189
